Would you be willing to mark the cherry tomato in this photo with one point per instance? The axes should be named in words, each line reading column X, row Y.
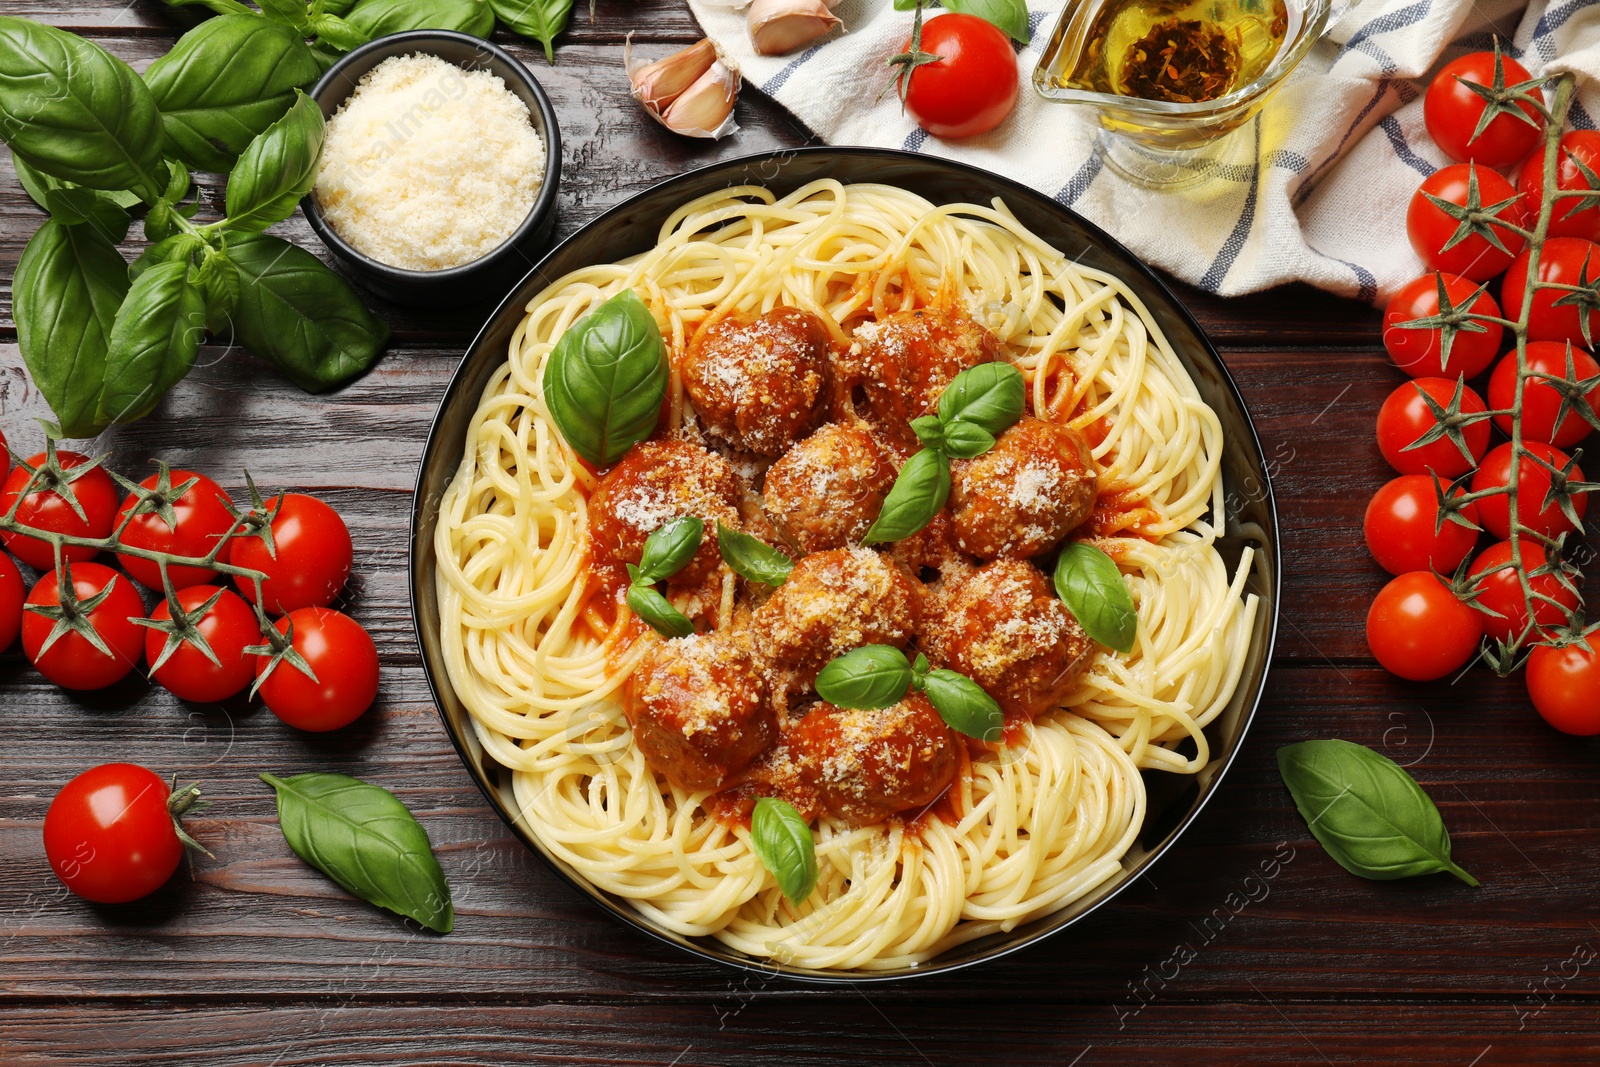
column 1533, row 483
column 1400, row 528
column 11, row 594
column 1567, row 218
column 1564, row 684
column 1451, row 111
column 1500, row 590
column 109, row 835
column 1419, row 352
column 1567, row 261
column 1430, row 228
column 203, row 519
column 228, row 628
column 340, row 654
column 46, row 509
column 73, row 662
column 311, row 560
column 1405, row 417
column 973, row 85
column 1417, row 628
column 1540, row 401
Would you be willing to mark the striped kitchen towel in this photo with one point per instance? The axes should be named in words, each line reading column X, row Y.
column 1324, row 174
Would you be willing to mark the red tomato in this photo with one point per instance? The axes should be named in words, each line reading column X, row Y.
column 11, row 594
column 1540, row 401
column 311, row 560
column 1419, row 352
column 73, row 662
column 1400, row 528
column 1430, row 228
column 1418, row 629
column 1567, row 218
column 203, row 519
column 46, row 509
column 340, row 654
column 228, row 628
column 1451, row 111
column 1500, row 590
column 109, row 836
column 1564, row 684
column 1533, row 482
column 1567, row 261
column 1405, row 417
column 973, row 85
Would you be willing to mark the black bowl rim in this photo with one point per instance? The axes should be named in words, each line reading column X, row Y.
column 543, row 205
column 631, row 918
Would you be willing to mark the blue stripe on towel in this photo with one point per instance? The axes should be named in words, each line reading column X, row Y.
column 1402, row 148
column 1394, row 20
column 1578, row 117
column 1212, row 280
column 1364, row 277
column 1553, row 19
column 914, row 140
column 1080, row 181
column 776, row 81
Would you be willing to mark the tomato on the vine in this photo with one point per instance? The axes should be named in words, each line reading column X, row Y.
column 1451, row 109
column 111, row 834
column 1419, row 351
column 46, row 509
column 1500, row 590
column 1404, row 533
column 228, row 627
column 1569, row 218
column 1533, row 485
column 1430, row 228
column 344, row 660
column 1564, row 684
column 11, row 596
column 1565, row 261
column 1419, row 629
column 971, row 86
column 72, row 661
column 1406, row 416
column 1540, row 400
column 202, row 518
column 308, row 562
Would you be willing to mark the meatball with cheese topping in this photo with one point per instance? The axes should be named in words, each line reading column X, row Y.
column 865, row 765
column 903, row 362
column 1003, row 627
column 697, row 711
column 1020, row 498
column 833, row 602
column 759, row 384
column 656, row 482
column 827, row 490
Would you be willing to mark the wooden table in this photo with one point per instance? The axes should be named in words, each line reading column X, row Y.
column 261, row 960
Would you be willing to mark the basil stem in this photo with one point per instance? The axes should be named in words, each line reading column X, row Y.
column 1090, row 585
column 783, row 843
column 753, row 559
column 668, row 550
column 657, row 611
column 606, row 379
column 918, row 494
column 872, row 676
column 990, row 395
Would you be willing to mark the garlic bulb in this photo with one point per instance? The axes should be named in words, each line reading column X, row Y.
column 689, row 92
column 781, row 26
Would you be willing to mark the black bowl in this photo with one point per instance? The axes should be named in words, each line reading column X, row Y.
column 500, row 267
column 630, row 228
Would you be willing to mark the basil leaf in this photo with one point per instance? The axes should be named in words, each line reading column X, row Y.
column 782, row 841
column 990, row 395
column 906, row 5
column 1370, row 815
column 753, row 559
column 289, row 12
column 73, row 205
column 872, row 676
column 669, row 549
column 224, row 83
column 963, row 704
column 377, row 18
column 1010, row 15
column 964, row 440
column 656, row 610
column 70, row 109
column 363, row 837
column 338, row 34
column 153, row 342
column 300, row 315
column 180, row 246
column 218, row 282
column 606, row 379
column 277, row 169
column 929, row 430
column 1089, row 584
column 539, row 19
column 68, row 286
column 918, row 493
column 221, row 7
column 338, row 7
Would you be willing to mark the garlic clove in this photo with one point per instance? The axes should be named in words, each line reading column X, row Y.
column 705, row 109
column 781, row 26
column 656, row 85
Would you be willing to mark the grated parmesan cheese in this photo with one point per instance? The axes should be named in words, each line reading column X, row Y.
column 429, row 166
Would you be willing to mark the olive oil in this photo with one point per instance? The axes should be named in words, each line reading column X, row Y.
column 1181, row 51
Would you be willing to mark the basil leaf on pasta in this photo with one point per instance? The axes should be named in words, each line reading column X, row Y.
column 990, row 395
column 669, row 549
column 783, row 843
column 916, row 497
column 872, row 676
column 606, row 379
column 965, row 440
column 753, row 559
column 657, row 611
column 1090, row 585
column 963, row 704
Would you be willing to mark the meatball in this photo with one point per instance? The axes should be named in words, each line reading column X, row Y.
column 656, row 482
column 828, row 489
column 758, row 384
column 697, row 709
column 1019, row 499
column 866, row 765
column 1001, row 626
column 904, row 361
column 932, row 548
column 833, row 602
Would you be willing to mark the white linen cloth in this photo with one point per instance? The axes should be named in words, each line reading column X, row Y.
column 1338, row 152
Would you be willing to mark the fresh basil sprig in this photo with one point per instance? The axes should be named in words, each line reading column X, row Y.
column 1090, row 585
column 753, row 559
column 878, row 676
column 919, row 492
column 362, row 837
column 606, row 379
column 666, row 552
column 783, row 843
column 1366, row 811
column 990, row 395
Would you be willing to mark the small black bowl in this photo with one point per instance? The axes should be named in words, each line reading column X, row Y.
column 493, row 273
